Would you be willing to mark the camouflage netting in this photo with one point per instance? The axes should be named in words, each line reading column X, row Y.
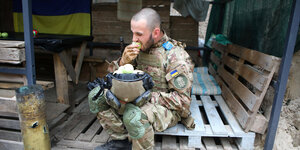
column 255, row 24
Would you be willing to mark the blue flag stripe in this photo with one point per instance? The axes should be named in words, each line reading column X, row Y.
column 55, row 7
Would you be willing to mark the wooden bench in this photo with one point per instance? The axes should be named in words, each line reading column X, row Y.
column 244, row 76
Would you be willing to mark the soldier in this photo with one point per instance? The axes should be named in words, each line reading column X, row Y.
column 171, row 69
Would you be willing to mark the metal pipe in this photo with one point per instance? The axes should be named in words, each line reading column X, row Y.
column 283, row 74
column 29, row 51
column 31, row 106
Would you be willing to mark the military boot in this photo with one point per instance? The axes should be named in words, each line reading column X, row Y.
column 115, row 145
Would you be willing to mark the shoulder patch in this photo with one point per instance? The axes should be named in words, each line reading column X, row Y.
column 180, row 82
column 168, row 45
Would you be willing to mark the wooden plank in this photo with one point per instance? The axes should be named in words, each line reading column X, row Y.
column 196, row 114
column 10, row 85
column 9, row 114
column 157, row 146
column 78, row 144
column 221, row 48
column 84, row 122
column 210, row 143
column 169, row 143
column 54, row 110
column 79, row 60
column 213, row 116
column 238, row 110
column 209, row 132
column 90, row 133
column 248, row 98
column 70, row 124
column 10, row 124
column 8, row 105
column 263, row 93
column 83, row 107
column 102, row 137
column 260, row 124
column 11, row 135
column 183, row 144
column 11, row 77
column 257, row 58
column 211, row 70
column 225, row 143
column 215, row 59
column 8, row 44
column 257, row 79
column 56, row 121
column 61, row 80
column 12, row 54
column 7, row 94
column 195, row 141
column 11, row 145
column 67, row 61
column 199, row 102
column 229, row 116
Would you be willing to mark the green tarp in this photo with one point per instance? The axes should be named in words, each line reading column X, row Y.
column 257, row 24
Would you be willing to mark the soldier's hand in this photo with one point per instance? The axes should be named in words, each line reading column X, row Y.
column 130, row 53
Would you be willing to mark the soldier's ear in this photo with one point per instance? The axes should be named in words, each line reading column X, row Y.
column 156, row 32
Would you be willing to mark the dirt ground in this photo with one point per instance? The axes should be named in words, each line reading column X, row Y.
column 288, row 131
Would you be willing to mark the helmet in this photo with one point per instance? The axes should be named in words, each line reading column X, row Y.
column 129, row 86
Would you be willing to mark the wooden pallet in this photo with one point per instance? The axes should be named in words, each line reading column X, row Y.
column 212, row 123
column 244, row 76
column 80, row 131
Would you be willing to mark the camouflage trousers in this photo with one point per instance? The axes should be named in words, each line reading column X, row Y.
column 158, row 116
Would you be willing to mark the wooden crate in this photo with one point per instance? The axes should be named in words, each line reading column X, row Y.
column 10, row 131
column 212, row 123
column 107, row 28
column 244, row 76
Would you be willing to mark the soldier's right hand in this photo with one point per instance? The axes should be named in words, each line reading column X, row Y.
column 130, row 53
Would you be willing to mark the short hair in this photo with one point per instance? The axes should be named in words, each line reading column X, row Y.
column 150, row 15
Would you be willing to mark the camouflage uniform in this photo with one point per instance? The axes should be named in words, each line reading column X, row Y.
column 171, row 69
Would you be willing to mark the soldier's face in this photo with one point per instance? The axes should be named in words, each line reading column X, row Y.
column 141, row 33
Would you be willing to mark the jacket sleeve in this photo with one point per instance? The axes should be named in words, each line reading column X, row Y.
column 179, row 76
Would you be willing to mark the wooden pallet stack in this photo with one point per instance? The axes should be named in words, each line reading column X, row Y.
column 12, row 54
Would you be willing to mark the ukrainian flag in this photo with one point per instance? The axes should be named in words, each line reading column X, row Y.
column 174, row 73
column 56, row 16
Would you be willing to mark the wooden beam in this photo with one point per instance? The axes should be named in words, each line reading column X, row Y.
column 79, row 60
column 61, row 80
column 67, row 63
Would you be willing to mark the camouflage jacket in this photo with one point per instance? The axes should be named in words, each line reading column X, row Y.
column 171, row 69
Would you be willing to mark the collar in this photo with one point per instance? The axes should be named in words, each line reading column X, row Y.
column 161, row 41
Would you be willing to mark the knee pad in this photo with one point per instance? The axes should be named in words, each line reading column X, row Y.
column 97, row 104
column 133, row 121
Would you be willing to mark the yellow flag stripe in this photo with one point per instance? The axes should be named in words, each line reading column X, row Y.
column 77, row 24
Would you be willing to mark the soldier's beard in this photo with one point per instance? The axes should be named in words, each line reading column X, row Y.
column 148, row 44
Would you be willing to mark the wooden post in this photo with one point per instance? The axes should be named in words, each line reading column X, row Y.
column 31, row 106
column 61, row 80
